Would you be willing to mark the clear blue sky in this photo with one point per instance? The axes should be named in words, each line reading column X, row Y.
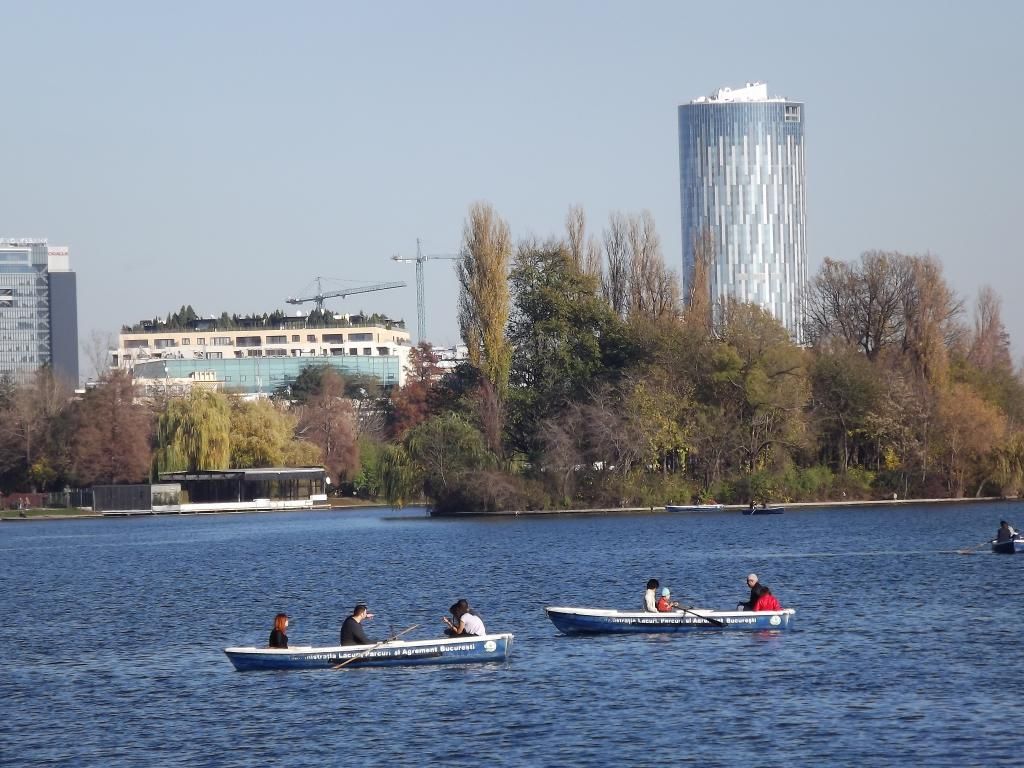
column 223, row 154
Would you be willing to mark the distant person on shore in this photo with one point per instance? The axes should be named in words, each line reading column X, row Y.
column 765, row 599
column 1005, row 532
column 752, row 583
column 651, row 596
column 665, row 604
column 278, row 638
column 463, row 621
column 352, row 629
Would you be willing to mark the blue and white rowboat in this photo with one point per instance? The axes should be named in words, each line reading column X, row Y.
column 448, row 650
column 574, row 621
column 1011, row 547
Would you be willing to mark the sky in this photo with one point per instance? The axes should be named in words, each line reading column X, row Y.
column 225, row 154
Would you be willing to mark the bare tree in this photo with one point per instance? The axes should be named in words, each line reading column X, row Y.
column 615, row 283
column 989, row 343
column 97, row 352
column 562, row 455
column 576, row 234
column 653, row 289
column 930, row 309
column 592, row 260
column 328, row 420
column 29, row 426
column 699, row 304
column 584, row 249
column 860, row 304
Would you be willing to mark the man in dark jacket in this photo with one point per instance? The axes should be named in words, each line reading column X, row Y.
column 352, row 629
column 752, row 582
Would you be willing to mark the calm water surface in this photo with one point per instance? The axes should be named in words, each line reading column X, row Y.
column 904, row 653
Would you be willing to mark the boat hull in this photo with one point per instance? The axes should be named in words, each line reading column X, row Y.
column 765, row 511
column 575, row 621
column 455, row 650
column 1014, row 546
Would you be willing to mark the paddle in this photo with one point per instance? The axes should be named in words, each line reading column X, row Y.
column 716, row 622
column 374, row 647
column 987, row 541
column 971, row 551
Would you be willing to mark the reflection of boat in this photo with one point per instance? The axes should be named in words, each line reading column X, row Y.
column 764, row 511
column 573, row 621
column 693, row 507
column 1010, row 547
column 454, row 650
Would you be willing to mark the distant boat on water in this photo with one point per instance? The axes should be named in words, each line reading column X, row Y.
column 693, row 507
column 1011, row 547
column 449, row 650
column 582, row 621
column 764, row 511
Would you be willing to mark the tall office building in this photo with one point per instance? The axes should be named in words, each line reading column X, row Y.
column 38, row 310
column 741, row 180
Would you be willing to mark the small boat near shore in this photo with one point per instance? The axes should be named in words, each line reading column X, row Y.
column 1011, row 547
column 447, row 650
column 693, row 507
column 575, row 621
column 764, row 511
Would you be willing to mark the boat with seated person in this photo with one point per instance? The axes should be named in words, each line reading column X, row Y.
column 1011, row 547
column 764, row 510
column 464, row 649
column 574, row 621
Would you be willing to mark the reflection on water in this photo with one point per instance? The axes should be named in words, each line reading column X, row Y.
column 114, row 631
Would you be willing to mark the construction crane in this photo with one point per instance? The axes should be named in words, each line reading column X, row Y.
column 421, row 309
column 319, row 297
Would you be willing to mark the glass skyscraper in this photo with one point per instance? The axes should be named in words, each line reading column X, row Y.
column 38, row 310
column 741, row 162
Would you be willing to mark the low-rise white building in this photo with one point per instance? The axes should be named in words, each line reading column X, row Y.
column 260, row 354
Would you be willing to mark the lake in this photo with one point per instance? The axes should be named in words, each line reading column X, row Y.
column 904, row 653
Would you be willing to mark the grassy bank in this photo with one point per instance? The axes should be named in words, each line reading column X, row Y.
column 68, row 513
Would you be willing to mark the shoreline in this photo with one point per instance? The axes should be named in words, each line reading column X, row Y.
column 659, row 510
column 113, row 515
column 732, row 507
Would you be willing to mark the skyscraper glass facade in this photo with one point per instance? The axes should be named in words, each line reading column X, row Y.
column 741, row 158
column 24, row 308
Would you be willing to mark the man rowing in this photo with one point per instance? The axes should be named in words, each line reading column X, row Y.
column 352, row 632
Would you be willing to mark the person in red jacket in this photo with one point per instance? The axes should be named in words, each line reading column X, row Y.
column 765, row 599
column 665, row 605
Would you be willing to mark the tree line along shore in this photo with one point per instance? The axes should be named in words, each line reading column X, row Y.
column 590, row 382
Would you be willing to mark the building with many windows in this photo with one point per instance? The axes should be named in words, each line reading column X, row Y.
column 38, row 310
column 741, row 171
column 258, row 355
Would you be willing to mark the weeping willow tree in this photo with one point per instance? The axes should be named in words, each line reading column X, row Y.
column 442, row 459
column 399, row 480
column 194, row 433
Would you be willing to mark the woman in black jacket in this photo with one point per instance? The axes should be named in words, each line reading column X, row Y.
column 278, row 638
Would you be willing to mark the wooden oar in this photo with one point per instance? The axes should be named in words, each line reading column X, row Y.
column 971, row 551
column 716, row 622
column 374, row 647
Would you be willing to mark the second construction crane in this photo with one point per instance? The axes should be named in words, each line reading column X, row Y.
column 421, row 310
column 320, row 296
